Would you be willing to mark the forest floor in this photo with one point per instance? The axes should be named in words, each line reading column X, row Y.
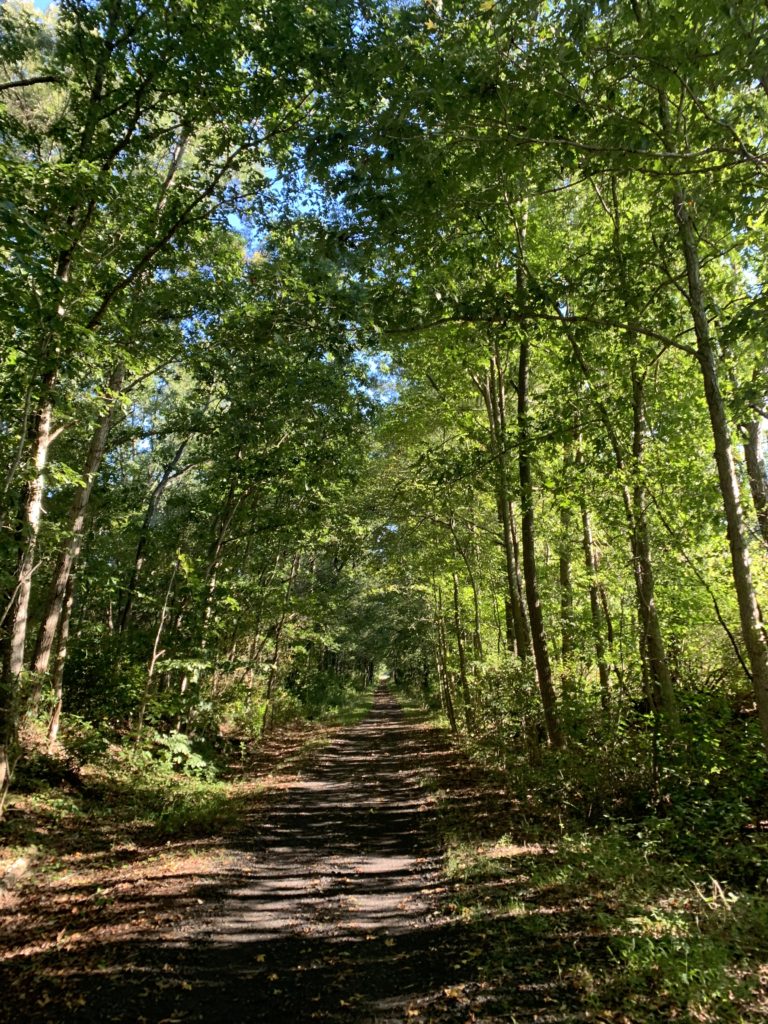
column 331, row 899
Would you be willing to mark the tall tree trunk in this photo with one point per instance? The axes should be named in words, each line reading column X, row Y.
column 442, row 664
column 477, row 640
column 663, row 694
column 70, row 550
column 493, row 391
column 653, row 655
column 567, row 619
column 17, row 611
column 528, row 530
column 156, row 653
column 567, row 625
column 221, row 529
column 463, row 678
column 272, row 676
column 752, row 626
column 591, row 562
column 501, row 638
column 637, row 526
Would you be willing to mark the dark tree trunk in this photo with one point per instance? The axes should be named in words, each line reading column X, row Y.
column 60, row 661
column 528, row 530
column 168, row 474
column 494, row 396
column 595, row 606
column 463, row 678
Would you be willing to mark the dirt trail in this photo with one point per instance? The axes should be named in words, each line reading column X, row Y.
column 335, row 917
column 331, row 909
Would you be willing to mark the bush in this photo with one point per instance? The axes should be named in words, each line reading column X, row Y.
column 83, row 741
column 175, row 752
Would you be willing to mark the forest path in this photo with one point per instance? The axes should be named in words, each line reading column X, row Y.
column 331, row 907
column 336, row 916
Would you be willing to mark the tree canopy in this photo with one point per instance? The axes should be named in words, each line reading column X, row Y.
column 427, row 338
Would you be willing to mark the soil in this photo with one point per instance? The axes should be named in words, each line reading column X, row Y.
column 328, row 904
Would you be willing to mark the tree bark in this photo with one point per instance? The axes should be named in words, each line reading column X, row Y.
column 221, row 529
column 272, row 677
column 528, row 531
column 463, row 678
column 70, row 551
column 750, row 615
column 477, row 640
column 567, row 619
column 663, row 694
column 637, row 525
column 493, row 392
column 591, row 562
column 156, row 653
column 442, row 665
column 168, row 474
column 14, row 641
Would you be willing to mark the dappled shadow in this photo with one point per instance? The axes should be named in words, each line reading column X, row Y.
column 333, row 910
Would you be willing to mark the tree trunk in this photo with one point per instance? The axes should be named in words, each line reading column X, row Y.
column 493, row 392
column 463, row 679
column 156, row 653
column 168, row 474
column 752, row 627
column 528, row 529
column 592, row 565
column 567, row 620
column 477, row 640
column 642, row 565
column 69, row 553
column 272, row 677
column 442, row 665
column 221, row 529
column 14, row 641
column 663, row 694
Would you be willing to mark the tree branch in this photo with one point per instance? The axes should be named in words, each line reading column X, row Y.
column 22, row 83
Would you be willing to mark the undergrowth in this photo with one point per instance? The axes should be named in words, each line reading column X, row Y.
column 655, row 861
column 99, row 789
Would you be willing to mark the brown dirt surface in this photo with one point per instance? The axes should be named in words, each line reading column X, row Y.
column 326, row 904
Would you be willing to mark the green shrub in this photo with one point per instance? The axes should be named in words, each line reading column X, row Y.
column 83, row 741
column 175, row 752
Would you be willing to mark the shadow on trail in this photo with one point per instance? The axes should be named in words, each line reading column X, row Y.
column 335, row 912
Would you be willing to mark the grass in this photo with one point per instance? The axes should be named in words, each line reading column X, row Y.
column 354, row 707
column 673, row 945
